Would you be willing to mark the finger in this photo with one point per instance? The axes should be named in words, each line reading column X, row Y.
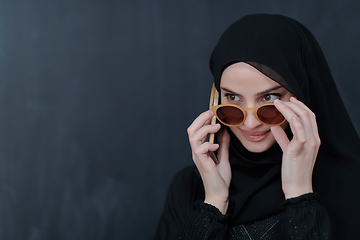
column 287, row 112
column 298, row 118
column 312, row 143
column 201, row 156
column 312, row 117
column 280, row 137
column 202, row 120
column 299, row 131
column 308, row 126
column 199, row 137
column 205, row 147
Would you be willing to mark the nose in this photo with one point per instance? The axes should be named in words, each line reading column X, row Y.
column 251, row 121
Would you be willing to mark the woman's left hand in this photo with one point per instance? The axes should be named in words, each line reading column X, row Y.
column 299, row 154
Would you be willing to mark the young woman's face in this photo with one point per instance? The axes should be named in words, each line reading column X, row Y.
column 245, row 86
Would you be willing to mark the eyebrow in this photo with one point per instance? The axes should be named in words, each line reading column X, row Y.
column 259, row 93
column 269, row 90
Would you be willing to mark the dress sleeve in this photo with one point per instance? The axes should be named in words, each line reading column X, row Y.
column 185, row 215
column 304, row 218
column 205, row 222
column 184, row 190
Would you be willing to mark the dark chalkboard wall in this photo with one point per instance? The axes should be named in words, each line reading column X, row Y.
column 96, row 96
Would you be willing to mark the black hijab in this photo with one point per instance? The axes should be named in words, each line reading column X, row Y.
column 288, row 53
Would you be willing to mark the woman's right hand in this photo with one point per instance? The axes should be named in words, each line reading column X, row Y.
column 216, row 177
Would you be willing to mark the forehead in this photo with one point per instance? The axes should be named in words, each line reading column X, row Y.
column 244, row 78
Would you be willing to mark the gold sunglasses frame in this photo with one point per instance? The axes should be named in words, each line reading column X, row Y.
column 214, row 99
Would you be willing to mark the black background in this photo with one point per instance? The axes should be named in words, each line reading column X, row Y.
column 96, row 96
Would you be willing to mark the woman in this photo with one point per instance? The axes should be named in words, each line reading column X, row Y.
column 273, row 181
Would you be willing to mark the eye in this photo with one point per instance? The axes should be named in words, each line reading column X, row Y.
column 269, row 98
column 232, row 97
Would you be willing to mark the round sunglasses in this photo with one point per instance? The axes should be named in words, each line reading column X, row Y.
column 232, row 115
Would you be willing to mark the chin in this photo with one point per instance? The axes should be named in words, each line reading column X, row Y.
column 256, row 149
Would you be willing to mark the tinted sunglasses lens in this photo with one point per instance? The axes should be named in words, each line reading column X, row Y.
column 270, row 115
column 230, row 115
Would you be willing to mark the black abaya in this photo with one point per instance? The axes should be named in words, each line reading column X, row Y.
column 286, row 51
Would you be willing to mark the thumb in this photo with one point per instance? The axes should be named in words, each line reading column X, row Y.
column 280, row 137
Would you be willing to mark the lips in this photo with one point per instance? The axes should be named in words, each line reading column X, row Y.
column 255, row 136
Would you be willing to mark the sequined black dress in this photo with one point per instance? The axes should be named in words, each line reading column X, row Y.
column 299, row 218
